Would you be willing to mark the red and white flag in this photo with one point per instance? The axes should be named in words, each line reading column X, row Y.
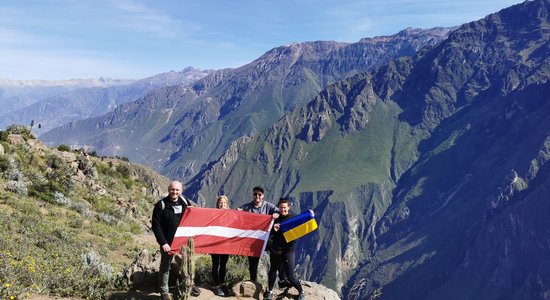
column 223, row 231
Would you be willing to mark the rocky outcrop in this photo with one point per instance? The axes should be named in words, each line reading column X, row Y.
column 142, row 274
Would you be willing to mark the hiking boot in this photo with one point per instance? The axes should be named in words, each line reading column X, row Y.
column 268, row 295
column 166, row 296
column 195, row 291
column 218, row 292
column 226, row 290
column 301, row 296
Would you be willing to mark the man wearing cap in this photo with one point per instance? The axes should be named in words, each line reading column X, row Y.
column 258, row 206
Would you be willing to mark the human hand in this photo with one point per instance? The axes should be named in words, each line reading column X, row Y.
column 312, row 213
column 275, row 215
column 166, row 248
column 277, row 226
column 239, row 209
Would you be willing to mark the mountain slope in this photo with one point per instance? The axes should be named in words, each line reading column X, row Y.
column 178, row 130
column 426, row 175
column 88, row 102
column 15, row 94
column 69, row 223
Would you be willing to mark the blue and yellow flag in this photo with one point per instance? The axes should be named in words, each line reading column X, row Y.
column 298, row 226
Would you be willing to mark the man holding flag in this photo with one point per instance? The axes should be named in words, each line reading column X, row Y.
column 167, row 215
column 258, row 206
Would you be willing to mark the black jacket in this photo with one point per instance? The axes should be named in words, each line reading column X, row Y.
column 277, row 241
column 166, row 219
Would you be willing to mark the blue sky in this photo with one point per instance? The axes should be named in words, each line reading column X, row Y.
column 64, row 39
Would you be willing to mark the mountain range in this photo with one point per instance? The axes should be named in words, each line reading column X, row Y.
column 54, row 103
column 427, row 170
column 429, row 175
column 178, row 130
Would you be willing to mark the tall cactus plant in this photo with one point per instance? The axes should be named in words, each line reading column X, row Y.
column 187, row 270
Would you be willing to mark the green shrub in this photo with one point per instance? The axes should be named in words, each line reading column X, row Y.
column 4, row 164
column 3, row 136
column 237, row 267
column 42, row 191
column 24, row 131
column 55, row 162
column 123, row 170
column 63, row 148
column 105, row 169
column 6, row 146
column 128, row 182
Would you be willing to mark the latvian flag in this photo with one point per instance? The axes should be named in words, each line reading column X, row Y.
column 298, row 226
column 223, row 231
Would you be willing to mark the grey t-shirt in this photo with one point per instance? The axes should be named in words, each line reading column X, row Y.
column 265, row 209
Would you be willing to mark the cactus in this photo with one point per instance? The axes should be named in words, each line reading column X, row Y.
column 187, row 270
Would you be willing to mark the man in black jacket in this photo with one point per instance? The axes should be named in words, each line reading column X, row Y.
column 166, row 218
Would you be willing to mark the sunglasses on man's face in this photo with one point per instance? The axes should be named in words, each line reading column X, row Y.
column 258, row 194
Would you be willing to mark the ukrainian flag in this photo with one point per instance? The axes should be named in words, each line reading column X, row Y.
column 298, row 226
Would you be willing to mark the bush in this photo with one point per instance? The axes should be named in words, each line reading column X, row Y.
column 123, row 170
column 63, row 148
column 54, row 161
column 3, row 136
column 6, row 146
column 22, row 130
column 4, row 164
column 237, row 267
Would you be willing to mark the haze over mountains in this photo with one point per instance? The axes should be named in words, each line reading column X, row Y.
column 428, row 174
column 54, row 103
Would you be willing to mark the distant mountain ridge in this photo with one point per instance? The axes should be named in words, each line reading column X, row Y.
column 179, row 130
column 15, row 94
column 428, row 175
column 77, row 99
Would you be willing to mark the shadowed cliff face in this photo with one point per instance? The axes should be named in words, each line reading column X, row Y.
column 179, row 130
column 427, row 175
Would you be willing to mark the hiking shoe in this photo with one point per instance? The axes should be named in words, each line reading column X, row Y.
column 195, row 291
column 268, row 295
column 226, row 290
column 218, row 292
column 301, row 296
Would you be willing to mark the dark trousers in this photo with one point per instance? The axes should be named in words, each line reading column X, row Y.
column 253, row 267
column 287, row 260
column 219, row 268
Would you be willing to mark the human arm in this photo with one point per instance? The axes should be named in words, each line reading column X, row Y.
column 156, row 225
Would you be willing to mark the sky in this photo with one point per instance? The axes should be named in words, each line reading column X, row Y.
column 133, row 39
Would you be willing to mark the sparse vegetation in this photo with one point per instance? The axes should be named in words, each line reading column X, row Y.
column 62, row 217
column 24, row 131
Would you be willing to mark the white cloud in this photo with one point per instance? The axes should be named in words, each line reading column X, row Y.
column 137, row 16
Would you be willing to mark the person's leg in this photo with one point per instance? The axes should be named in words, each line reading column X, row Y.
column 223, row 268
column 275, row 262
column 289, row 262
column 215, row 267
column 283, row 281
column 253, row 267
column 164, row 271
